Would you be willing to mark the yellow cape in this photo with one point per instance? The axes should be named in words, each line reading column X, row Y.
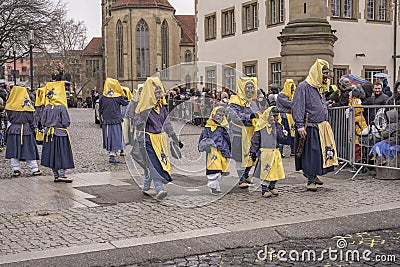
column 287, row 88
column 40, row 97
column 112, row 88
column 147, row 98
column 127, row 92
column 59, row 97
column 314, row 77
column 240, row 98
column 212, row 124
column 19, row 100
column 263, row 121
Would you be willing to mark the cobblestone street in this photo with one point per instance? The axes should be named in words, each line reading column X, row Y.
column 384, row 246
column 105, row 208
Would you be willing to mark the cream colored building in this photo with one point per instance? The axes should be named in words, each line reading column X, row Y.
column 279, row 39
column 145, row 37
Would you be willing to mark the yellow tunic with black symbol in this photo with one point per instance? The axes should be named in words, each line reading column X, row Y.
column 287, row 91
column 59, row 99
column 19, row 101
column 271, row 167
column 247, row 132
column 39, row 102
column 215, row 160
column 147, row 100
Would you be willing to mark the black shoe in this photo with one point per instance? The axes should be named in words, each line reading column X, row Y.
column 215, row 192
column 63, row 180
column 16, row 173
column 37, row 173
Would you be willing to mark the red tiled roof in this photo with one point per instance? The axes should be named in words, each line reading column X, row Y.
column 143, row 3
column 94, row 47
column 188, row 26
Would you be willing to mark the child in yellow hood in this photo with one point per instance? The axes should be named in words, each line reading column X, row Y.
column 264, row 147
column 216, row 141
column 21, row 143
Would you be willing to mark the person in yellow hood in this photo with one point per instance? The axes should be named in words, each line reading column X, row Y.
column 215, row 139
column 152, row 118
column 264, row 148
column 21, row 143
column 39, row 106
column 317, row 154
column 243, row 114
column 284, row 104
column 57, row 151
column 110, row 109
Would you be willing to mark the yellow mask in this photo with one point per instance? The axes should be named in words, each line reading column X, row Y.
column 127, row 92
column 19, row 100
column 263, row 120
column 287, row 88
column 314, row 77
column 241, row 99
column 147, row 97
column 212, row 124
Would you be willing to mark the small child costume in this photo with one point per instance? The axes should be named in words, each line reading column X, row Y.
column 57, row 151
column 264, row 146
column 21, row 144
column 216, row 141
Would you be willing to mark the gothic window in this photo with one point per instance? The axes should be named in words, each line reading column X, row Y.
column 188, row 56
column 142, row 49
column 164, row 46
column 120, row 54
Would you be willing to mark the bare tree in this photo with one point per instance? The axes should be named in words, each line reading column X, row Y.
column 19, row 17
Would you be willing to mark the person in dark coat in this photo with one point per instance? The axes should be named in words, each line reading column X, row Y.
column 317, row 154
column 215, row 140
column 152, row 118
column 243, row 114
column 57, row 151
column 110, row 110
column 264, row 147
column 395, row 98
column 21, row 144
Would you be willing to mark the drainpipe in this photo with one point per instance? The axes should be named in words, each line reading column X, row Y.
column 131, row 42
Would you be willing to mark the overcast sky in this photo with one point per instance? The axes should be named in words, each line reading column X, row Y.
column 89, row 11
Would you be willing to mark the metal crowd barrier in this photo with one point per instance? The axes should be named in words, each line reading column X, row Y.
column 188, row 111
column 368, row 137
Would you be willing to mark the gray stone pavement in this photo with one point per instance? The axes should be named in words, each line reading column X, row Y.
column 104, row 209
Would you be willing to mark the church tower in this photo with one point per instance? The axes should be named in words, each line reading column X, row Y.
column 306, row 37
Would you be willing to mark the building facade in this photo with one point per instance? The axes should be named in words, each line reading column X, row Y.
column 92, row 63
column 144, row 38
column 279, row 39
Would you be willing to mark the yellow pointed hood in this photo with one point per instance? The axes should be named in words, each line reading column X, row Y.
column 56, row 95
column 314, row 77
column 147, row 98
column 212, row 124
column 127, row 92
column 19, row 100
column 287, row 88
column 112, row 88
column 263, row 120
column 240, row 98
column 40, row 97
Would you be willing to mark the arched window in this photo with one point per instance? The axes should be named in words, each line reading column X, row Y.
column 120, row 54
column 188, row 56
column 187, row 81
column 142, row 49
column 164, row 48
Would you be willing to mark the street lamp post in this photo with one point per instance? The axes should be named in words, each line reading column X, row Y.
column 31, row 36
column 15, row 65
